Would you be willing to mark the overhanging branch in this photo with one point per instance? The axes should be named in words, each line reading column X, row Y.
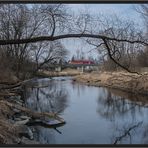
column 53, row 38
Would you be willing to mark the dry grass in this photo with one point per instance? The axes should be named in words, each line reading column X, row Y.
column 125, row 81
column 70, row 71
column 66, row 72
column 8, row 134
column 7, row 77
column 5, row 110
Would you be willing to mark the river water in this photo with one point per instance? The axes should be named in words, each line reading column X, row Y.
column 93, row 115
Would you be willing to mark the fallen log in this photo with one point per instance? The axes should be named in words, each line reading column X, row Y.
column 22, row 122
column 32, row 114
column 12, row 86
column 44, row 124
column 8, row 94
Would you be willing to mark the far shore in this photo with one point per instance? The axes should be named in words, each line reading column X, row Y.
column 66, row 72
column 132, row 83
column 125, row 81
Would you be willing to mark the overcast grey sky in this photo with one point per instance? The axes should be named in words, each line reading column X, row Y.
column 125, row 11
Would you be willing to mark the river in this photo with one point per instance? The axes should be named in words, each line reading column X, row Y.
column 93, row 115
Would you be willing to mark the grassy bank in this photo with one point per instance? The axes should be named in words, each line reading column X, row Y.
column 133, row 83
column 66, row 72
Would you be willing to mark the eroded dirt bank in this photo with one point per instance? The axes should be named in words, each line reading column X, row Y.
column 133, row 83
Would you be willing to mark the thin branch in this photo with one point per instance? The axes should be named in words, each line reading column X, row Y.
column 110, row 56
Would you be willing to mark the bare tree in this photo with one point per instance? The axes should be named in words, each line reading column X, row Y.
column 47, row 53
column 19, row 21
column 112, row 37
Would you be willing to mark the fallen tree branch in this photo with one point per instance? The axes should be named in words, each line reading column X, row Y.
column 53, row 38
column 12, row 86
column 34, row 115
column 8, row 94
column 45, row 124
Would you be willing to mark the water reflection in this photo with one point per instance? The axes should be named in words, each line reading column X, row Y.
column 80, row 89
column 47, row 99
column 44, row 135
column 93, row 115
column 113, row 106
column 41, row 98
column 129, row 108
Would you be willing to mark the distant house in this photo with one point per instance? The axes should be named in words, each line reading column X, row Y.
column 82, row 65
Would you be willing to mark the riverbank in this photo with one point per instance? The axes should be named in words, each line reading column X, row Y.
column 133, row 83
column 65, row 72
column 15, row 117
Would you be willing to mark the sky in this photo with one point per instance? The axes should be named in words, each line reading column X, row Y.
column 125, row 11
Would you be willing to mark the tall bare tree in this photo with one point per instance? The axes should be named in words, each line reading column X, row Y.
column 114, row 36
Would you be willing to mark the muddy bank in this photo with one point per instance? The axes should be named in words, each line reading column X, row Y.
column 133, row 83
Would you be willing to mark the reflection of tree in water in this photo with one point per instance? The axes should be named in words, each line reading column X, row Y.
column 111, row 106
column 145, row 135
column 125, row 133
column 44, row 135
column 48, row 99
column 125, row 130
column 52, row 98
column 79, row 87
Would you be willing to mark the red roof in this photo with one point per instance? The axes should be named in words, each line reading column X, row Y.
column 81, row 62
